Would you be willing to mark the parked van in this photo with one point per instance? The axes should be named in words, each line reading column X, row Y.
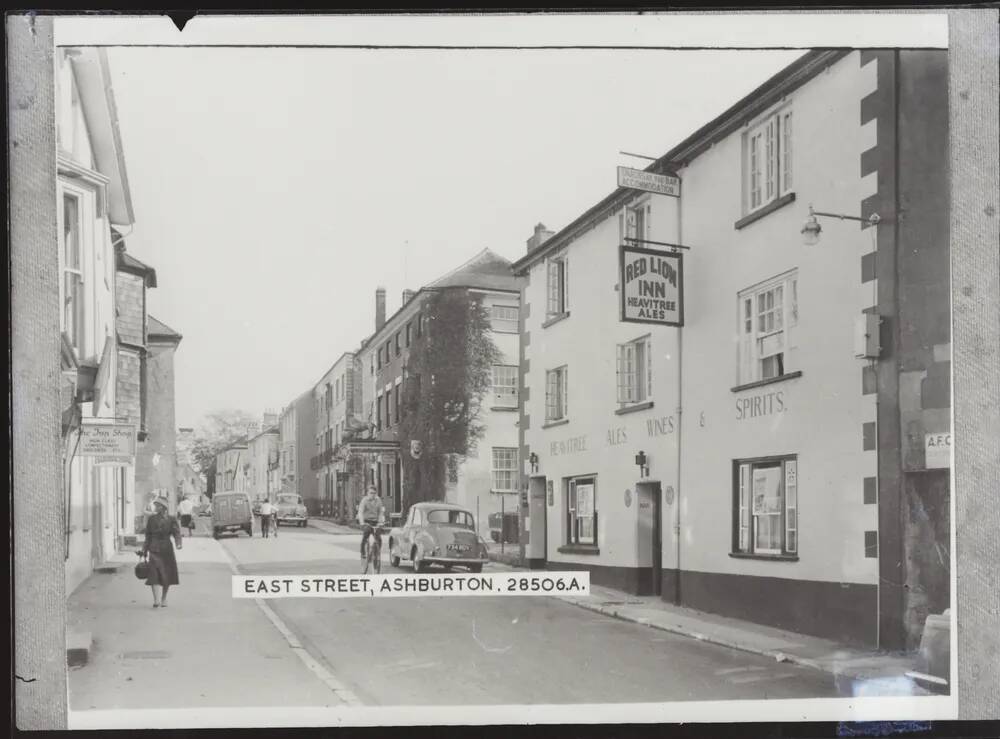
column 231, row 512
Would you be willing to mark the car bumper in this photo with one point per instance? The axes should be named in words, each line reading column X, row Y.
column 293, row 518
column 460, row 561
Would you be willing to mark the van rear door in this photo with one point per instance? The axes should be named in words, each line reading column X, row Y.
column 223, row 510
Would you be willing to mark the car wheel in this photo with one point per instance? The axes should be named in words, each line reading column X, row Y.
column 418, row 562
column 393, row 558
column 215, row 533
column 249, row 530
column 475, row 568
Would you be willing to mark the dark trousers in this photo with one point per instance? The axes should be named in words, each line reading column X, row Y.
column 369, row 531
column 265, row 522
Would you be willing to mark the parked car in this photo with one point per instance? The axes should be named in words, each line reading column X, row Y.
column 291, row 509
column 438, row 533
column 204, row 509
column 256, row 506
column 231, row 512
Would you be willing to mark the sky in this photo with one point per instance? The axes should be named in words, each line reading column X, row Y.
column 275, row 188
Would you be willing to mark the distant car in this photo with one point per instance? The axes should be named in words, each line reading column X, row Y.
column 290, row 509
column 231, row 512
column 438, row 533
column 256, row 506
column 204, row 509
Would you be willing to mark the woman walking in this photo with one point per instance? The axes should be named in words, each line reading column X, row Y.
column 157, row 547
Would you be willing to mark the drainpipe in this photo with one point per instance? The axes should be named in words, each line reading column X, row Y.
column 680, row 425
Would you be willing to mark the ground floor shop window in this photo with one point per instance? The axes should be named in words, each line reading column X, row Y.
column 766, row 506
column 581, row 511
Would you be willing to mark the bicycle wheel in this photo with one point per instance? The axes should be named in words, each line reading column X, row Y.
column 378, row 561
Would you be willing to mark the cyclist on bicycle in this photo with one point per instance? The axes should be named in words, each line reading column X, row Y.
column 371, row 513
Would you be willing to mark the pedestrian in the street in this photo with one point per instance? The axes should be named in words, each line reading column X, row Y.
column 186, row 510
column 157, row 547
column 265, row 518
column 274, row 519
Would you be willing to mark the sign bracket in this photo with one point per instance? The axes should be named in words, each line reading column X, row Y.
column 634, row 240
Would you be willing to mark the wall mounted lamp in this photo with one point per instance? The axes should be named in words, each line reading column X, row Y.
column 811, row 229
column 642, row 461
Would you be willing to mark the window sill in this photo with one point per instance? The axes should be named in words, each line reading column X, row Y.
column 634, row 408
column 769, row 381
column 579, row 549
column 768, row 557
column 507, row 408
column 766, row 210
column 555, row 319
column 560, row 422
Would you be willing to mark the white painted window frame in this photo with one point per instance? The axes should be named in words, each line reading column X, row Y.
column 503, row 325
column 635, row 371
column 505, row 381
column 758, row 343
column 556, row 396
column 768, row 157
column 504, row 463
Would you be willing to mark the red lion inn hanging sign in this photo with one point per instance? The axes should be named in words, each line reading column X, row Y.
column 651, row 286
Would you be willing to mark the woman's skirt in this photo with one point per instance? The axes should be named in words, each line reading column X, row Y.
column 163, row 568
column 186, row 521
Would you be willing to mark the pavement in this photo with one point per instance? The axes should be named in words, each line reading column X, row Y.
column 206, row 649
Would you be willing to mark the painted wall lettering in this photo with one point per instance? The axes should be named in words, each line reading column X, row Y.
column 764, row 404
column 617, row 436
column 568, row 446
column 660, row 426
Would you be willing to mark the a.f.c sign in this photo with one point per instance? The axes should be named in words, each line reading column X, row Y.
column 652, row 286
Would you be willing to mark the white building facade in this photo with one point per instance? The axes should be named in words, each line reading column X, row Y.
column 93, row 198
column 732, row 464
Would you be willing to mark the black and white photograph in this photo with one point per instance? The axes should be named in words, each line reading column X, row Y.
column 451, row 369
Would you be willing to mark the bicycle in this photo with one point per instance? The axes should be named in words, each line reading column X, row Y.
column 373, row 558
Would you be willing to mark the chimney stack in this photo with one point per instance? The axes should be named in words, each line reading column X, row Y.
column 270, row 419
column 379, row 308
column 540, row 236
column 407, row 295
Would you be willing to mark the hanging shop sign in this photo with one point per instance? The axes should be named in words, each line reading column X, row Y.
column 652, row 286
column 108, row 441
column 639, row 179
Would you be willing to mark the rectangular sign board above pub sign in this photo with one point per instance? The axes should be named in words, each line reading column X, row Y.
column 651, row 284
column 640, row 179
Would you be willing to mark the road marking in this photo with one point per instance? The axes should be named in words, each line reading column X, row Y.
column 756, row 678
column 339, row 689
column 731, row 670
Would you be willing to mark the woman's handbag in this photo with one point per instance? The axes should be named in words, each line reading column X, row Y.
column 142, row 569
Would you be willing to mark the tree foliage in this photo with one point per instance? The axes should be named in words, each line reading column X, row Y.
column 217, row 431
column 449, row 373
